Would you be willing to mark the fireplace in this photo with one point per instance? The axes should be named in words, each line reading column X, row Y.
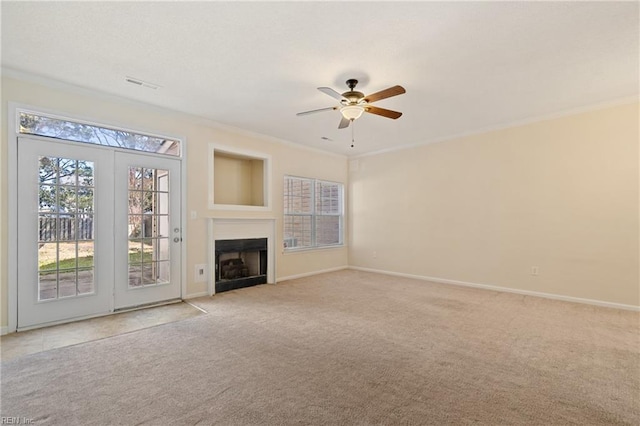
column 240, row 263
column 252, row 230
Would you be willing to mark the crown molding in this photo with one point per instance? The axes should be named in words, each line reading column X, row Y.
column 509, row 125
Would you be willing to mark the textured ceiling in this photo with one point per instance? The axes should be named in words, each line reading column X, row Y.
column 466, row 66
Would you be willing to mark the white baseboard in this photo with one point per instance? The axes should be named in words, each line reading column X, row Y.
column 308, row 274
column 4, row 330
column 504, row 289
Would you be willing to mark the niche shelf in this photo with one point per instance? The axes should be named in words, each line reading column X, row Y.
column 239, row 179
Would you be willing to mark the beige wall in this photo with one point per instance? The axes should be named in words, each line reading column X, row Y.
column 286, row 159
column 234, row 181
column 560, row 194
column 257, row 183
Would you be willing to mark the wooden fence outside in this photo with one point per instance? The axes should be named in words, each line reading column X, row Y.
column 69, row 228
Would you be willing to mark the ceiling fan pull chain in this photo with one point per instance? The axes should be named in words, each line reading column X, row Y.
column 353, row 126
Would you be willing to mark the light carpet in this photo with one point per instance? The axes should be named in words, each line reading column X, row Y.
column 346, row 348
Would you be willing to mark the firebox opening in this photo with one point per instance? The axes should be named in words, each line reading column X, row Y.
column 240, row 263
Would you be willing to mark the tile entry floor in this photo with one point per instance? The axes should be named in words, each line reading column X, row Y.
column 42, row 339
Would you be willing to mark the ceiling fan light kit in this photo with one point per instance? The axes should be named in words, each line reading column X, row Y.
column 352, row 112
column 354, row 103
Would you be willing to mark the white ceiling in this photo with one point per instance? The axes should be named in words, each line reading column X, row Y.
column 466, row 66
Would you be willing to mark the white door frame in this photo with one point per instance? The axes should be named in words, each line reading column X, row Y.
column 12, row 199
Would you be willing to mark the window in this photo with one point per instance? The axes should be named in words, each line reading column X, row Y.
column 41, row 125
column 313, row 213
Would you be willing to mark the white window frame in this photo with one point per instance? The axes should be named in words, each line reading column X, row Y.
column 314, row 245
column 55, row 116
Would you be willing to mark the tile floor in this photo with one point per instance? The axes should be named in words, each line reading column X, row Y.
column 28, row 342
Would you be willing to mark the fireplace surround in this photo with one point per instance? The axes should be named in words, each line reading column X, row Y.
column 254, row 258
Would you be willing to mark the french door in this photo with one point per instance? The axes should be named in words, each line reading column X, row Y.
column 98, row 230
column 147, row 229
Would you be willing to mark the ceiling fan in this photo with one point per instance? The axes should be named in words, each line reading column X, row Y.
column 354, row 103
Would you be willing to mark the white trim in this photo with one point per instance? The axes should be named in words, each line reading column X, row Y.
column 12, row 219
column 504, row 289
column 4, row 330
column 146, row 305
column 243, row 153
column 507, row 125
column 295, row 250
column 183, row 220
column 308, row 274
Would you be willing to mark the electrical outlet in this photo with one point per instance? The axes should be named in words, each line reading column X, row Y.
column 201, row 273
column 535, row 271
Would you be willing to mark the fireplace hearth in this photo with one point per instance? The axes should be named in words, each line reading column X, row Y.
column 240, row 263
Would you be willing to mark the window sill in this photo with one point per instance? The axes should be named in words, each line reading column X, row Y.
column 308, row 249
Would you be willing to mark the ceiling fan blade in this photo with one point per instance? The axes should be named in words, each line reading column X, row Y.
column 386, row 93
column 344, row 123
column 316, row 110
column 329, row 91
column 383, row 112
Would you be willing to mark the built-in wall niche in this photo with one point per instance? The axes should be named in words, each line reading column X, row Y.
column 238, row 179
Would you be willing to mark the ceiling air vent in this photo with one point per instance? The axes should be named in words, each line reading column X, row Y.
column 139, row 82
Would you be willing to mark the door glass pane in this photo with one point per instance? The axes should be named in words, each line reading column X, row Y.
column 85, row 280
column 162, row 272
column 148, row 226
column 148, row 277
column 135, row 178
column 135, row 277
column 65, row 228
column 66, row 282
column 135, row 223
column 163, row 203
column 162, row 252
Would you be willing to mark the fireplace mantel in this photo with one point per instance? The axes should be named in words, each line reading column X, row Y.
column 240, row 228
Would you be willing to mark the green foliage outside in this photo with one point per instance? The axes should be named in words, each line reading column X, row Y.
column 87, row 262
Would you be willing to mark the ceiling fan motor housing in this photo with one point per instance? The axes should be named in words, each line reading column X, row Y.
column 352, row 95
